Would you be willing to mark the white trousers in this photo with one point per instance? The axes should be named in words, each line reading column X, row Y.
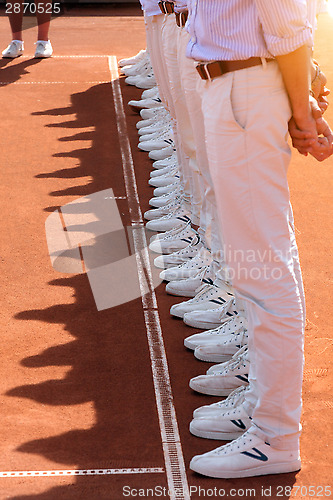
column 153, row 25
column 189, row 81
column 246, row 115
column 170, row 33
column 154, row 29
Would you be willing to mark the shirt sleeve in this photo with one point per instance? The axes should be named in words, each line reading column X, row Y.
column 286, row 24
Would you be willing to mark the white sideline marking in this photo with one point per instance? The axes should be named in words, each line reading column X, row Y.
column 80, row 472
column 172, row 449
column 53, row 83
column 83, row 56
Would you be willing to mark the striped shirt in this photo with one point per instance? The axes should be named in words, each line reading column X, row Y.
column 240, row 29
column 180, row 5
column 150, row 7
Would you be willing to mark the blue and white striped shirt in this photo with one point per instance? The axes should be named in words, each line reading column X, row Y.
column 180, row 5
column 151, row 7
column 240, row 29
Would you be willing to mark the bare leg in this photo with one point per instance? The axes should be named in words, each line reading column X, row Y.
column 15, row 19
column 43, row 19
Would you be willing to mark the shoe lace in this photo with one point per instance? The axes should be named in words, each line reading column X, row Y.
column 235, row 396
column 238, row 443
column 235, row 363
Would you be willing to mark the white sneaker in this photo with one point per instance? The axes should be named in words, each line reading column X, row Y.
column 239, row 360
column 225, row 426
column 43, row 49
column 162, row 114
column 162, row 201
column 169, row 171
column 218, row 353
column 147, row 114
column 145, row 81
column 161, row 154
column 169, row 160
column 177, row 258
column 247, row 456
column 189, row 268
column 135, row 70
column 165, row 183
column 235, row 398
column 169, row 221
column 232, row 327
column 157, row 125
column 169, row 188
column 174, row 241
column 189, row 287
column 144, row 103
column 164, row 140
column 162, row 131
column 169, row 234
column 211, row 318
column 172, row 207
column 153, row 92
column 207, row 297
column 14, row 49
column 222, row 379
column 132, row 60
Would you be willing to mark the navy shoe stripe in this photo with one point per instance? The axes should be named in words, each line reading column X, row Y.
column 258, row 455
column 184, row 218
column 218, row 301
column 208, row 281
column 244, row 378
column 239, row 423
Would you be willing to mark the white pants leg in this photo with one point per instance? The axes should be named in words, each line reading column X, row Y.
column 185, row 146
column 154, row 45
column 246, row 115
column 191, row 86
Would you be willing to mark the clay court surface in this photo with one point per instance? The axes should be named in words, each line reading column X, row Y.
column 80, row 403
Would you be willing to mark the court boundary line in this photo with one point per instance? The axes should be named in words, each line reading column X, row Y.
column 172, row 448
column 81, row 472
column 53, row 83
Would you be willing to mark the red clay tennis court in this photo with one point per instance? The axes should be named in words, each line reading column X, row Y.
column 95, row 404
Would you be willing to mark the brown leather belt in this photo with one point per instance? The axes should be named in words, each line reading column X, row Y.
column 181, row 18
column 167, row 7
column 208, row 71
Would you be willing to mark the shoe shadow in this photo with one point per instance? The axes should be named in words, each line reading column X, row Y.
column 12, row 70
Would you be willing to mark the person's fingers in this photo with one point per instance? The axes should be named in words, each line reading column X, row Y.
column 315, row 109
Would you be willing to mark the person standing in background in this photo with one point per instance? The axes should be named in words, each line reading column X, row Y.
column 43, row 10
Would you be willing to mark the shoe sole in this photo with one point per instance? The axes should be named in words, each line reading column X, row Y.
column 213, row 358
column 183, row 276
column 163, row 229
column 192, row 310
column 181, row 293
column 12, row 57
column 258, row 471
column 201, row 324
column 167, row 265
column 221, row 436
column 210, row 391
column 169, row 250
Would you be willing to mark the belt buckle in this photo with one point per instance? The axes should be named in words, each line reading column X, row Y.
column 203, row 71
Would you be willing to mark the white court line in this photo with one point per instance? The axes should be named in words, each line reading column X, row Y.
column 52, row 83
column 80, row 472
column 172, row 449
column 82, row 56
